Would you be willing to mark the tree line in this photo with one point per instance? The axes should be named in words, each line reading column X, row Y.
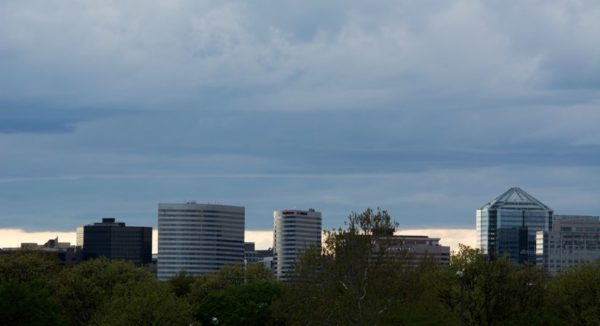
column 352, row 280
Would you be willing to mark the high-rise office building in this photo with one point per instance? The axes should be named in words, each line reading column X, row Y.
column 508, row 224
column 116, row 241
column 293, row 232
column 199, row 238
column 573, row 240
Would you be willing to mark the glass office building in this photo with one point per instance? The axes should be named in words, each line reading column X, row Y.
column 508, row 224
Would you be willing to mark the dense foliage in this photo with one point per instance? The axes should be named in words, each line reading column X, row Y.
column 352, row 280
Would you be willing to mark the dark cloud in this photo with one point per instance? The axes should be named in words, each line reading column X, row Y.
column 32, row 117
column 424, row 108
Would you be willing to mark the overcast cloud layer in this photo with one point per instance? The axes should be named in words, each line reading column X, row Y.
column 426, row 108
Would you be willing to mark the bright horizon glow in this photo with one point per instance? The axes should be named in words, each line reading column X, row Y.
column 263, row 239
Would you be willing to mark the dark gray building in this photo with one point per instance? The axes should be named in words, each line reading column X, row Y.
column 508, row 224
column 250, row 253
column 116, row 241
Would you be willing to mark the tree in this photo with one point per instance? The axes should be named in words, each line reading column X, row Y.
column 181, row 284
column 495, row 292
column 24, row 295
column 146, row 302
column 228, row 276
column 247, row 304
column 83, row 289
column 573, row 297
column 353, row 280
column 27, row 304
column 258, row 273
column 28, row 266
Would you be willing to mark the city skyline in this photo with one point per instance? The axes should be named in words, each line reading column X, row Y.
column 12, row 238
column 423, row 109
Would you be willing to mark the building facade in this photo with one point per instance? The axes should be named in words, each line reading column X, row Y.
column 418, row 248
column 252, row 256
column 508, row 224
column 293, row 232
column 79, row 237
column 199, row 238
column 573, row 240
column 116, row 241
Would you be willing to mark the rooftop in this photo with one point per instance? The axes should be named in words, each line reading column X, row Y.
column 516, row 198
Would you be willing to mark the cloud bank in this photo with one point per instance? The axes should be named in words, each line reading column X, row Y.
column 423, row 108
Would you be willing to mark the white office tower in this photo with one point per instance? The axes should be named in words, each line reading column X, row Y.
column 198, row 238
column 293, row 232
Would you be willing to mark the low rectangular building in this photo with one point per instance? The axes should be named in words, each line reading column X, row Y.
column 573, row 240
column 116, row 241
column 417, row 248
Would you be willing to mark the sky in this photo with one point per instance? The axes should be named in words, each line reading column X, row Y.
column 428, row 109
column 12, row 238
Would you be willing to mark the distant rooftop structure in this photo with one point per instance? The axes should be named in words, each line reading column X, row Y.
column 577, row 218
column 419, row 247
column 109, row 221
column 515, row 198
column 50, row 245
column 67, row 255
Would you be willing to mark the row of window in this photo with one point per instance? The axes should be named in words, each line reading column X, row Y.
column 164, row 253
column 224, row 215
column 199, row 219
column 183, row 241
column 166, row 210
column 202, row 233
column 161, row 226
column 215, row 258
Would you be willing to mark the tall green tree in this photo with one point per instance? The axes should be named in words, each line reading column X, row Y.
column 143, row 302
column 29, row 266
column 83, row 289
column 25, row 298
column 28, row 304
column 354, row 279
column 247, row 304
column 573, row 297
column 181, row 284
column 229, row 276
column 494, row 292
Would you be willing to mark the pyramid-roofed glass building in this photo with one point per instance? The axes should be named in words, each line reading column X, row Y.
column 507, row 225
